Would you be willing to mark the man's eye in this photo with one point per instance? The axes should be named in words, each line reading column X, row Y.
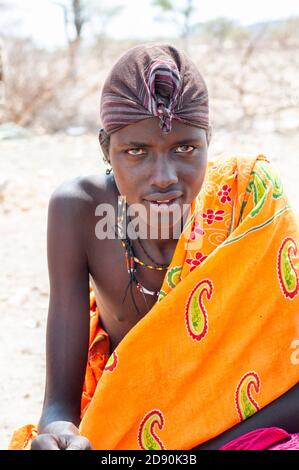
column 184, row 149
column 136, row 152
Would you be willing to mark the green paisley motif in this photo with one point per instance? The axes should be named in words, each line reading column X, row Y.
column 173, row 276
column 260, row 191
column 196, row 317
column 261, row 176
column 245, row 403
column 273, row 177
column 247, row 407
column 162, row 294
column 149, row 441
column 287, row 273
column 147, row 437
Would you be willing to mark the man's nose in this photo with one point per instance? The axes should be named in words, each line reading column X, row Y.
column 163, row 174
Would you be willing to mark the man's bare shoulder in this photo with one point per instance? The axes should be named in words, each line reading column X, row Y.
column 82, row 194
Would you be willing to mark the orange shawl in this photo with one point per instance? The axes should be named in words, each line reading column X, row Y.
column 225, row 327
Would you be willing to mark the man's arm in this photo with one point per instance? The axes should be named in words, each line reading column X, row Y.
column 282, row 412
column 68, row 317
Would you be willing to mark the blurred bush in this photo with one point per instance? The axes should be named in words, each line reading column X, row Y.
column 252, row 76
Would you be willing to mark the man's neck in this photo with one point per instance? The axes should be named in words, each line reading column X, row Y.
column 158, row 248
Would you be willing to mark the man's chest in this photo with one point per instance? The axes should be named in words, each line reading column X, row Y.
column 121, row 305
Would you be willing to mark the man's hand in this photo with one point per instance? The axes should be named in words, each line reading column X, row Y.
column 60, row 435
column 60, row 442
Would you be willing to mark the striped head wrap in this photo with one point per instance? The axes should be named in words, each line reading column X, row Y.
column 152, row 81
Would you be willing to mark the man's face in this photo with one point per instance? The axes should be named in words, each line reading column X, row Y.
column 151, row 167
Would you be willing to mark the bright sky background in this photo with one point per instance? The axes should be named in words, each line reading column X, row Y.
column 43, row 21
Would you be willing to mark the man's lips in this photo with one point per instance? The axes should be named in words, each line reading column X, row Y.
column 167, row 198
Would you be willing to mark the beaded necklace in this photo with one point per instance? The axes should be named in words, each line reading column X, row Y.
column 162, row 267
column 130, row 262
column 131, row 259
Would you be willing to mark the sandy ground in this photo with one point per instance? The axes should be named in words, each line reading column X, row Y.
column 33, row 167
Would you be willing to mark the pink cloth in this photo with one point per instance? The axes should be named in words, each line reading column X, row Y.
column 291, row 444
column 264, row 439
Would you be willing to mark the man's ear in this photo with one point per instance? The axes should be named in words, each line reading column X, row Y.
column 104, row 140
column 209, row 134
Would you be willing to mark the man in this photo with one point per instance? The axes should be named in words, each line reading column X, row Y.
column 192, row 350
